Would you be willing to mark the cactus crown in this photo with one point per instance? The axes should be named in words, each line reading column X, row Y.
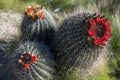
column 26, row 58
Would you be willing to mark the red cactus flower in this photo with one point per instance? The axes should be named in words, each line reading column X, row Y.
column 40, row 14
column 107, row 33
column 29, row 10
column 107, row 28
column 92, row 21
column 96, row 41
column 105, row 22
column 91, row 32
column 98, row 19
column 33, row 58
column 106, row 37
column 25, row 66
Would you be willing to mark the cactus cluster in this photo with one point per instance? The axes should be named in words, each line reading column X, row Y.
column 38, row 28
column 72, row 44
column 32, row 61
column 77, row 43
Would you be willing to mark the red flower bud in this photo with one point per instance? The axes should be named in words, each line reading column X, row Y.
column 40, row 14
column 106, row 37
column 107, row 33
column 33, row 58
column 91, row 32
column 105, row 22
column 107, row 28
column 25, row 66
column 29, row 10
column 98, row 19
column 91, row 21
column 96, row 41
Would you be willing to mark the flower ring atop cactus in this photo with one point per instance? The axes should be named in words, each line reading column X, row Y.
column 34, row 11
column 26, row 58
column 98, row 30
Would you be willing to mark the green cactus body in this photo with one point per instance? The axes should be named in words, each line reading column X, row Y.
column 41, row 69
column 40, row 29
column 2, row 56
column 4, row 47
column 72, row 44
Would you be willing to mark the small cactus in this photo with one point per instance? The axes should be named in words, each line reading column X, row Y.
column 32, row 61
column 74, row 45
column 38, row 24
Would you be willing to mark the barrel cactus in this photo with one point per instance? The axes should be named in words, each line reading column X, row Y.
column 31, row 61
column 38, row 24
column 80, row 39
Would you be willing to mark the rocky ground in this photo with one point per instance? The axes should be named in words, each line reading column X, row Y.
column 9, row 24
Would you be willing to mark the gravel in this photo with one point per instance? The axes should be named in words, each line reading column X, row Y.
column 9, row 24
